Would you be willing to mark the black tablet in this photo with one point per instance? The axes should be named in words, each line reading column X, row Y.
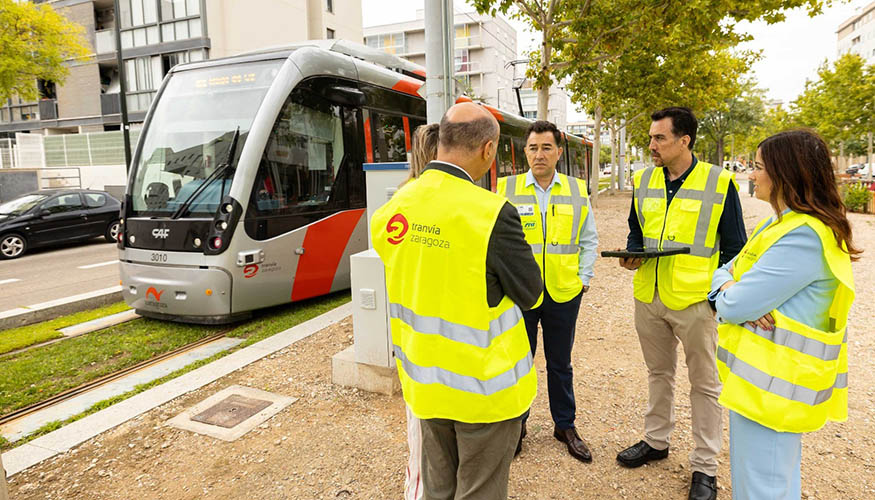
column 644, row 254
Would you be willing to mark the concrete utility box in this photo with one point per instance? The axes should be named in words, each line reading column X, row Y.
column 369, row 364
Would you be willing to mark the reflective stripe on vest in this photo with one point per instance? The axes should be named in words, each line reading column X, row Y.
column 795, row 377
column 437, row 375
column 777, row 386
column 454, row 331
column 561, row 280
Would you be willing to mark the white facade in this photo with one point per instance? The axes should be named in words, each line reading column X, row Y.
column 857, row 34
column 484, row 46
column 557, row 108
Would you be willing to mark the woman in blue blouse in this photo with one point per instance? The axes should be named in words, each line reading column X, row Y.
column 783, row 304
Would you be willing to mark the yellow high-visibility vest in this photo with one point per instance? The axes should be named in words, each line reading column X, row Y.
column 691, row 220
column 559, row 255
column 457, row 357
column 793, row 378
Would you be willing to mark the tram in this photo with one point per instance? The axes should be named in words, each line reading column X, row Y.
column 246, row 188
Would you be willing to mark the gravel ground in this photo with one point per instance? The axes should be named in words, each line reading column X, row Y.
column 337, row 442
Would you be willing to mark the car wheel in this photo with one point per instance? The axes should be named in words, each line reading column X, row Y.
column 12, row 246
column 112, row 231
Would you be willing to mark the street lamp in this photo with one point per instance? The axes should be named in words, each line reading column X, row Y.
column 122, row 96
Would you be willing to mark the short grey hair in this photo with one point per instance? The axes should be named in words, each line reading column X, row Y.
column 467, row 135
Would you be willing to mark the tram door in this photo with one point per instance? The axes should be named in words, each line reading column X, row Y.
column 299, row 212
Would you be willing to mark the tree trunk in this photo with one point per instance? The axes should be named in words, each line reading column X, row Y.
column 544, row 92
column 869, row 156
column 596, row 149
column 613, row 129
column 719, row 154
column 841, row 161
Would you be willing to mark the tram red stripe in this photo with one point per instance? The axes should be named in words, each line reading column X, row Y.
column 495, row 112
column 420, row 72
column 369, row 147
column 493, row 174
column 408, row 86
column 406, row 133
column 323, row 245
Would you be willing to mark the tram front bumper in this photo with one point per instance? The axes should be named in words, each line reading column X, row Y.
column 176, row 292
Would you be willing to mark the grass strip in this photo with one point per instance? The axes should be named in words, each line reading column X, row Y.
column 264, row 324
column 24, row 336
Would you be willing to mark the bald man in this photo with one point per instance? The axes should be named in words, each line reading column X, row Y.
column 458, row 273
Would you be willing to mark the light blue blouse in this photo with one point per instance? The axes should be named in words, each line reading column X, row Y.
column 792, row 276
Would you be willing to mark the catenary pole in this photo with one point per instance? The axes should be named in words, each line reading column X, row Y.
column 439, row 38
column 122, row 96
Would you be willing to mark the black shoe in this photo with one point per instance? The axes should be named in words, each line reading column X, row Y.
column 703, row 487
column 519, row 445
column 639, row 454
column 576, row 446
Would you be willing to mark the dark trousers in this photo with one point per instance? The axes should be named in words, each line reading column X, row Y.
column 463, row 461
column 558, row 321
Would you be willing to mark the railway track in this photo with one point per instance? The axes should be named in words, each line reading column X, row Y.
column 75, row 391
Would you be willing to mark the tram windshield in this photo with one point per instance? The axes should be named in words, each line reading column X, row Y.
column 190, row 134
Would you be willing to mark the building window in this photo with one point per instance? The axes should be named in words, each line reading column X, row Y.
column 137, row 12
column 392, row 43
column 176, row 9
column 329, row 5
column 462, row 61
column 329, row 34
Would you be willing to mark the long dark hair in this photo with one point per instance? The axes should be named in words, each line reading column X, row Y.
column 799, row 166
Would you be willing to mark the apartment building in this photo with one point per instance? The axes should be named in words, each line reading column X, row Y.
column 557, row 106
column 484, row 47
column 857, row 34
column 155, row 36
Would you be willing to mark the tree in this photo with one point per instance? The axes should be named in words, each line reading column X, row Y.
column 733, row 115
column 841, row 103
column 35, row 43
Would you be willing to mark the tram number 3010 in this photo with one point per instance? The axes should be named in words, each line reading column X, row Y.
column 159, row 257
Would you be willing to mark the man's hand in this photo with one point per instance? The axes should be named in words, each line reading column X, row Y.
column 630, row 263
column 585, row 288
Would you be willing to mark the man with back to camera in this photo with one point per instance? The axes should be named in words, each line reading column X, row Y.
column 458, row 270
column 560, row 228
column 680, row 202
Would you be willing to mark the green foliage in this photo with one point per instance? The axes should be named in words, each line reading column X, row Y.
column 36, row 43
column 734, row 115
column 17, row 338
column 857, row 196
column 841, row 103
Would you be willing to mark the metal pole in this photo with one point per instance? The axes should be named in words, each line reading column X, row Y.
column 122, row 96
column 621, row 175
column 439, row 39
column 869, row 157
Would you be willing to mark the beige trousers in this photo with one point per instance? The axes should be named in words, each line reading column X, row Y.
column 4, row 493
column 659, row 330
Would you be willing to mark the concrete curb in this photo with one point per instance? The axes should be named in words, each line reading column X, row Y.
column 29, row 315
column 67, row 437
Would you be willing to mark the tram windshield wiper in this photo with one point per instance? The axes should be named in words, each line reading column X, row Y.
column 220, row 171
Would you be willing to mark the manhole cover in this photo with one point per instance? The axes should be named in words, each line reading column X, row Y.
column 231, row 411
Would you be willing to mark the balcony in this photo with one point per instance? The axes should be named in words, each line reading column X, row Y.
column 467, row 42
column 109, row 104
column 104, row 41
column 48, row 109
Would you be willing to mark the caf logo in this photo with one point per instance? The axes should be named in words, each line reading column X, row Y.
column 398, row 223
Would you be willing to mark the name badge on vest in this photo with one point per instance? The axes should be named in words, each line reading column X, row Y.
column 525, row 210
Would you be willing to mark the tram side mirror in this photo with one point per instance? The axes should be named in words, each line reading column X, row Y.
column 346, row 96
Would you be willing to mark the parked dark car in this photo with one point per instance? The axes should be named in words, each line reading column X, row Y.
column 853, row 169
column 55, row 216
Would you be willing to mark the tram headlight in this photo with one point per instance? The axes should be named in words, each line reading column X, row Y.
column 216, row 242
column 228, row 208
column 222, row 225
column 197, row 242
column 132, row 238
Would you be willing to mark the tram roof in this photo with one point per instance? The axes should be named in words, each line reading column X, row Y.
column 363, row 53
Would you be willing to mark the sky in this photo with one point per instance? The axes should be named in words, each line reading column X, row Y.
column 791, row 51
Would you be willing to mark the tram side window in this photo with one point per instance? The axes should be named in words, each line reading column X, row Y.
column 389, row 133
column 505, row 157
column 303, row 155
column 520, row 161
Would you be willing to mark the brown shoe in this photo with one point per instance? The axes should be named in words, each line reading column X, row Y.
column 576, row 447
